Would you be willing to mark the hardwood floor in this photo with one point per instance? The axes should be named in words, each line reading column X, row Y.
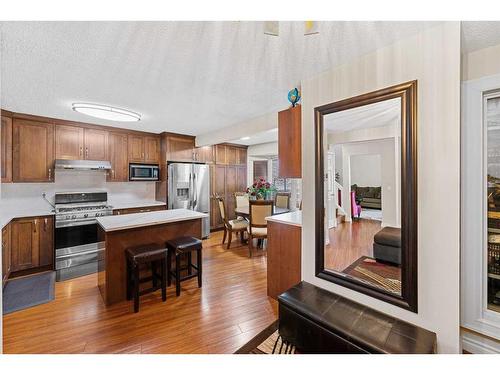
column 230, row 308
column 349, row 241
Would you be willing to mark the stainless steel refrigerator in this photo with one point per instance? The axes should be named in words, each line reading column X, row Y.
column 189, row 187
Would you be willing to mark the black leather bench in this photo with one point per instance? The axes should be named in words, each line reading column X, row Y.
column 318, row 321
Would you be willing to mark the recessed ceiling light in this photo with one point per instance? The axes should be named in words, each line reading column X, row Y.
column 244, row 138
column 106, row 112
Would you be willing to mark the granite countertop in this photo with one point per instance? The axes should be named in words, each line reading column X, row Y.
column 291, row 218
column 120, row 222
column 118, row 204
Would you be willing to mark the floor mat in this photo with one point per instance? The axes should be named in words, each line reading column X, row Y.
column 19, row 294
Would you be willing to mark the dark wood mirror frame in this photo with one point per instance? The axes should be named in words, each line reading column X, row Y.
column 409, row 245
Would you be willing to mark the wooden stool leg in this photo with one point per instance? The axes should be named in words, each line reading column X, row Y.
column 169, row 267
column 190, row 262
column 198, row 264
column 163, row 266
column 154, row 274
column 177, row 275
column 242, row 236
column 129, row 286
column 136, row 288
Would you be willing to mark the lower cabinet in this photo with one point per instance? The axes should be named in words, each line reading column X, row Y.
column 32, row 243
column 6, row 254
column 134, row 210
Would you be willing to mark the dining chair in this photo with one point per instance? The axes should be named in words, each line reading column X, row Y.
column 241, row 199
column 257, row 227
column 282, row 199
column 230, row 226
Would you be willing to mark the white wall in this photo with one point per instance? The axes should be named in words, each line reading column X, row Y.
column 433, row 58
column 366, row 170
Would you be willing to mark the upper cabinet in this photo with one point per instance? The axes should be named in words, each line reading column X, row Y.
column 96, row 144
column 179, row 147
column 205, row 154
column 290, row 142
column 74, row 142
column 230, row 155
column 117, row 152
column 6, row 149
column 152, row 150
column 33, row 151
column 143, row 149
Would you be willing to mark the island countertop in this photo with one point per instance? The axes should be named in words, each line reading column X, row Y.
column 290, row 218
column 121, row 222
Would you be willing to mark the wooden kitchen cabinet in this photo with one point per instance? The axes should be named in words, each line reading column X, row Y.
column 117, row 152
column 6, row 149
column 69, row 142
column 96, row 144
column 152, row 150
column 220, row 154
column 33, row 151
column 32, row 243
column 205, row 154
column 180, row 148
column 241, row 156
column 241, row 178
column 6, row 254
column 135, row 149
column 283, row 257
column 143, row 149
column 290, row 142
column 231, row 155
column 75, row 142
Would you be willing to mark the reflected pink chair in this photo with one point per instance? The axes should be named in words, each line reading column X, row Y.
column 355, row 207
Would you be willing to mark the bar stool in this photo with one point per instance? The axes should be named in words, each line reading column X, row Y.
column 179, row 247
column 152, row 254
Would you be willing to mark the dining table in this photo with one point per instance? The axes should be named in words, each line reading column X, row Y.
column 244, row 211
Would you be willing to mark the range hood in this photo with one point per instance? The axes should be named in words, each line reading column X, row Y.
column 83, row 165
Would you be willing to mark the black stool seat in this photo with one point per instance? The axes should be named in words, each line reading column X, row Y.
column 151, row 254
column 183, row 247
column 146, row 253
column 184, row 244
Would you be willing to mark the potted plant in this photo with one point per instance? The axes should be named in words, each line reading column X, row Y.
column 261, row 189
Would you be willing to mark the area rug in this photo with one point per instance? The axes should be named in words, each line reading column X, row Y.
column 371, row 214
column 268, row 341
column 381, row 275
column 19, row 294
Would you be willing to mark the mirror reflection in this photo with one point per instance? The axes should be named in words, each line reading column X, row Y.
column 362, row 148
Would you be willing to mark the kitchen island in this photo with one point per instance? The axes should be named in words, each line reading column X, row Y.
column 122, row 231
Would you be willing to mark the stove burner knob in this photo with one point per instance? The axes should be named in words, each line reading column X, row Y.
column 73, row 216
column 86, row 215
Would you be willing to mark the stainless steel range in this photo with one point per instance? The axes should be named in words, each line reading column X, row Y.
column 77, row 249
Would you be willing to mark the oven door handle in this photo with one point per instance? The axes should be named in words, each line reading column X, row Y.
column 72, row 255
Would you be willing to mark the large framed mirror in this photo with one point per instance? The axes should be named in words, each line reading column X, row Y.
column 366, row 194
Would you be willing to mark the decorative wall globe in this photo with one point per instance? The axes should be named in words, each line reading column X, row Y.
column 294, row 96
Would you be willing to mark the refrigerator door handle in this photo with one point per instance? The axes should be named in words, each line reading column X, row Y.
column 195, row 192
column 190, row 197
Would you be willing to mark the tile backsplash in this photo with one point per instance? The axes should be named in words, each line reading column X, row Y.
column 79, row 181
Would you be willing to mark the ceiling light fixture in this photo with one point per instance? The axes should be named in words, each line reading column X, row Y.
column 244, row 138
column 106, row 112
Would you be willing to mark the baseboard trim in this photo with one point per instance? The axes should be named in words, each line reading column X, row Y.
column 479, row 345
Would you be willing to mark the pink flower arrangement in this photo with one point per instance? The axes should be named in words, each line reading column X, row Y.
column 260, row 188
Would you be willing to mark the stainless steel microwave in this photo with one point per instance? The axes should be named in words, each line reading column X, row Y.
column 144, row 172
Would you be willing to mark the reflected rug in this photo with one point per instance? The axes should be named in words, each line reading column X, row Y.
column 24, row 292
column 378, row 274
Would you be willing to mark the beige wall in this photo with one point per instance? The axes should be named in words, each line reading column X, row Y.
column 433, row 58
column 481, row 63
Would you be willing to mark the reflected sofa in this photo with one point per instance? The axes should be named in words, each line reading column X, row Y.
column 368, row 196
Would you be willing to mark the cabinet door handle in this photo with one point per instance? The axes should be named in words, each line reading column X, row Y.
column 45, row 225
column 81, row 151
column 50, row 174
column 36, row 224
column 86, row 152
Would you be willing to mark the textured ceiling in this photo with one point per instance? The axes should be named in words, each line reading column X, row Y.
column 186, row 77
column 479, row 34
